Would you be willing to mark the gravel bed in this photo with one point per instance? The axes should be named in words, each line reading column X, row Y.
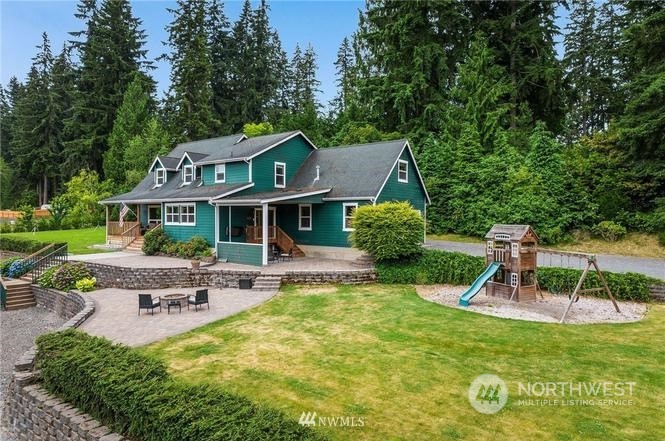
column 548, row 309
column 19, row 329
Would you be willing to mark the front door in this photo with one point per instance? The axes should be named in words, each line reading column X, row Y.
column 272, row 222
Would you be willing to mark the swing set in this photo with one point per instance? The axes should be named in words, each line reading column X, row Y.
column 590, row 263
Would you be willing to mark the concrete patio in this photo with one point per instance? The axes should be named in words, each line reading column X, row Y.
column 116, row 315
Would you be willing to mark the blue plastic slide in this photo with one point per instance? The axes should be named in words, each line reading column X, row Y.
column 479, row 283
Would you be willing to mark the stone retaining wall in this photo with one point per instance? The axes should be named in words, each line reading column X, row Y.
column 657, row 292
column 153, row 278
column 32, row 412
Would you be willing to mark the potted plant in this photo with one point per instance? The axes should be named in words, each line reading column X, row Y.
column 196, row 263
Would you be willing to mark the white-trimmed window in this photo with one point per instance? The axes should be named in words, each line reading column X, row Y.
column 188, row 174
column 402, row 171
column 180, row 214
column 514, row 278
column 160, row 177
column 220, row 173
column 514, row 249
column 347, row 213
column 490, row 247
column 305, row 217
column 280, row 175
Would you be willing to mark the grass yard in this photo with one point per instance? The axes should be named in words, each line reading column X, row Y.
column 404, row 365
column 78, row 240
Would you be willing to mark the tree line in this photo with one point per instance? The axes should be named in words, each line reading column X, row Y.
column 503, row 128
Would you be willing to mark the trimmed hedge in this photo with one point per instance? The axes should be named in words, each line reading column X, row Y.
column 444, row 267
column 133, row 394
column 21, row 245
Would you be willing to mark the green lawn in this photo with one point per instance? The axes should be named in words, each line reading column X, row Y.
column 78, row 241
column 404, row 366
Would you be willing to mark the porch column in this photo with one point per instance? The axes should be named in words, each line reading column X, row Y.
column 229, row 223
column 216, row 208
column 264, row 232
column 107, row 224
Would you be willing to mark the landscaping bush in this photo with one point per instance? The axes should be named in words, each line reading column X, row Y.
column 440, row 267
column 46, row 279
column 20, row 245
column 609, row 231
column 133, row 394
column 432, row 267
column 66, row 276
column 5, row 264
column 87, row 284
column 154, row 241
column 18, row 268
column 388, row 231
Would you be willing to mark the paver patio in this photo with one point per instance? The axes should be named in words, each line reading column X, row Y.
column 116, row 312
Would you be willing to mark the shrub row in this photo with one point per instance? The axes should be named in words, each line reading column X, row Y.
column 20, row 245
column 157, row 242
column 444, row 267
column 132, row 393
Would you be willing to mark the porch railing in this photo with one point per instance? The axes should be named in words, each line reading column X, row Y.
column 115, row 229
column 130, row 234
column 254, row 233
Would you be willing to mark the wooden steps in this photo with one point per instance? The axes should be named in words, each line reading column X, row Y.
column 19, row 294
column 136, row 245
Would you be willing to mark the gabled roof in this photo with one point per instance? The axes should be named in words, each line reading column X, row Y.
column 249, row 148
column 206, row 146
column 170, row 164
column 514, row 232
column 353, row 172
column 173, row 190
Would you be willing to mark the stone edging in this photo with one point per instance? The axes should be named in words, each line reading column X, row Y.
column 32, row 411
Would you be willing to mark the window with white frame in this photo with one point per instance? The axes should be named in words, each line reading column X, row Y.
column 220, row 173
column 180, row 214
column 514, row 278
column 402, row 171
column 188, row 174
column 347, row 221
column 514, row 249
column 160, row 177
column 490, row 247
column 280, row 175
column 305, row 217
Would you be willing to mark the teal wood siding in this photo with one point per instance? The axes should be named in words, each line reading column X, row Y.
column 244, row 253
column 410, row 191
column 236, row 173
column 293, row 152
column 326, row 224
column 239, row 218
column 205, row 225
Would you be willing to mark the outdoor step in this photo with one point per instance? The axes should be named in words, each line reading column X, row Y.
column 267, row 283
column 22, row 305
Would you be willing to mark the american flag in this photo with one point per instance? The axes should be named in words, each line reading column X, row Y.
column 123, row 212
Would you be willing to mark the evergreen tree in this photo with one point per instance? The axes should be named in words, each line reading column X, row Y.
column 304, row 84
column 142, row 149
column 221, row 57
column 344, row 72
column 190, row 100
column 111, row 54
column 131, row 120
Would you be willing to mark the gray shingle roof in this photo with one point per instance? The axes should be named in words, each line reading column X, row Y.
column 172, row 189
column 247, row 147
column 516, row 232
column 170, row 163
column 205, row 146
column 351, row 171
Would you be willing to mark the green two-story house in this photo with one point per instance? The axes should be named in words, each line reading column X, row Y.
column 250, row 196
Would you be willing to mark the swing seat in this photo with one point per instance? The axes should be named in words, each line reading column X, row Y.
column 577, row 298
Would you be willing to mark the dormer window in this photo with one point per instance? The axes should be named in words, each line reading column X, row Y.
column 160, row 177
column 280, row 175
column 187, row 174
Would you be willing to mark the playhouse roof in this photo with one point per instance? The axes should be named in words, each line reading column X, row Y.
column 514, row 232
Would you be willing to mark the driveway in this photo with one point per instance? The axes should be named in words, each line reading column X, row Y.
column 116, row 315
column 607, row 262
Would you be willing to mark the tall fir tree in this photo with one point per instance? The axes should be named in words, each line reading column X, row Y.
column 221, row 57
column 190, row 99
column 111, row 54
column 344, row 77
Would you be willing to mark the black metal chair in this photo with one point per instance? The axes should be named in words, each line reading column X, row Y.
column 200, row 298
column 288, row 255
column 147, row 302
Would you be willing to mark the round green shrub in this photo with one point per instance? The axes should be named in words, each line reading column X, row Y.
column 609, row 231
column 388, row 231
column 87, row 284
column 66, row 276
column 46, row 279
column 154, row 241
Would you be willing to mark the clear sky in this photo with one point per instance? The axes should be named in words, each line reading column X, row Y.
column 323, row 24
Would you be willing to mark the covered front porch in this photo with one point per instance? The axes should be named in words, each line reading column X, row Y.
column 137, row 220
column 257, row 230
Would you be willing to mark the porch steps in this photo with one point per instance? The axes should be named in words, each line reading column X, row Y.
column 136, row 245
column 19, row 294
column 267, row 283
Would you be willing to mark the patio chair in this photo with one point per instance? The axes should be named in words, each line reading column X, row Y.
column 288, row 255
column 200, row 298
column 273, row 256
column 147, row 302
